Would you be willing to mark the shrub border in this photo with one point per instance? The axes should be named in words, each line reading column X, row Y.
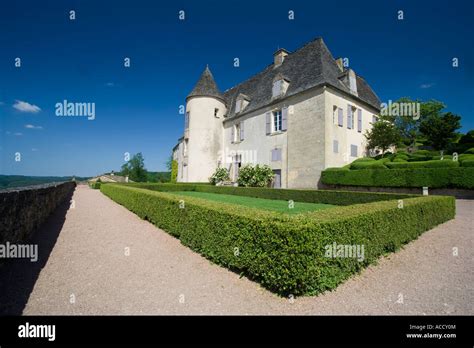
column 286, row 253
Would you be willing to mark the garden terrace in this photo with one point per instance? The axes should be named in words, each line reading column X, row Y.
column 285, row 253
column 402, row 170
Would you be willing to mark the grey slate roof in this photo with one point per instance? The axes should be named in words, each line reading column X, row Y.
column 206, row 87
column 310, row 66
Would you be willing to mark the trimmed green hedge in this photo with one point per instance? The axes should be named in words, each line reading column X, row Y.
column 469, row 151
column 367, row 165
column 286, row 254
column 307, row 196
column 468, row 163
column 423, row 164
column 95, row 185
column 461, row 177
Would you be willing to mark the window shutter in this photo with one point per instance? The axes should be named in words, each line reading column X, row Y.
column 276, row 155
column 232, row 134
column 268, row 119
column 353, row 150
column 340, row 117
column 284, row 118
column 359, row 120
column 349, row 117
column 241, row 130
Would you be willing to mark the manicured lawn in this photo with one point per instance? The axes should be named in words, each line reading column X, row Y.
column 259, row 203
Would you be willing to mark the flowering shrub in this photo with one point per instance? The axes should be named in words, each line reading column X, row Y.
column 258, row 176
column 221, row 174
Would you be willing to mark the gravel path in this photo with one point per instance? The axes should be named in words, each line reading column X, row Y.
column 88, row 266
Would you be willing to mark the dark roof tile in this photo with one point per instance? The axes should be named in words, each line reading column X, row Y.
column 205, row 87
column 310, row 66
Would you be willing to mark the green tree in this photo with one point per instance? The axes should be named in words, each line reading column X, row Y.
column 174, row 171
column 383, row 134
column 408, row 126
column 169, row 163
column 440, row 130
column 135, row 168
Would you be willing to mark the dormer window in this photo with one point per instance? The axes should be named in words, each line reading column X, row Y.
column 280, row 86
column 238, row 106
column 241, row 102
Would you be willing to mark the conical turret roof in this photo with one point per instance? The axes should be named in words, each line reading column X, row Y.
column 206, row 86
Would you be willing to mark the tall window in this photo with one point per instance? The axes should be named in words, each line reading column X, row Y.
column 236, row 133
column 185, row 147
column 354, row 151
column 335, row 146
column 186, row 120
column 277, row 118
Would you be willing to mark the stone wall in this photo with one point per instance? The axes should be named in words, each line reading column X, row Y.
column 23, row 210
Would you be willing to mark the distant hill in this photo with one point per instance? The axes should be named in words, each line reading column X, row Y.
column 11, row 181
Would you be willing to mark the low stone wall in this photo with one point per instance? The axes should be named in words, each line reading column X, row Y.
column 458, row 193
column 23, row 210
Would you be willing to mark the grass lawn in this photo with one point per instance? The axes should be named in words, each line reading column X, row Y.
column 259, row 203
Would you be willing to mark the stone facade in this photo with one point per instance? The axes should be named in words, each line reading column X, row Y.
column 231, row 129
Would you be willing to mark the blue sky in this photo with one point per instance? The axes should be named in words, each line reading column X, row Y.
column 137, row 107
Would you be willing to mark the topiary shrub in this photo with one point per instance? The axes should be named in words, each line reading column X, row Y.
column 465, row 156
column 367, row 165
column 95, row 185
column 422, row 153
column 470, row 151
column 448, row 177
column 258, row 176
column 423, row 164
column 402, row 156
column 221, row 174
column 418, row 158
column 467, row 163
column 365, row 159
column 445, row 157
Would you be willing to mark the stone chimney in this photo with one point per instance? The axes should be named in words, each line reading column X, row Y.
column 279, row 57
column 340, row 65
